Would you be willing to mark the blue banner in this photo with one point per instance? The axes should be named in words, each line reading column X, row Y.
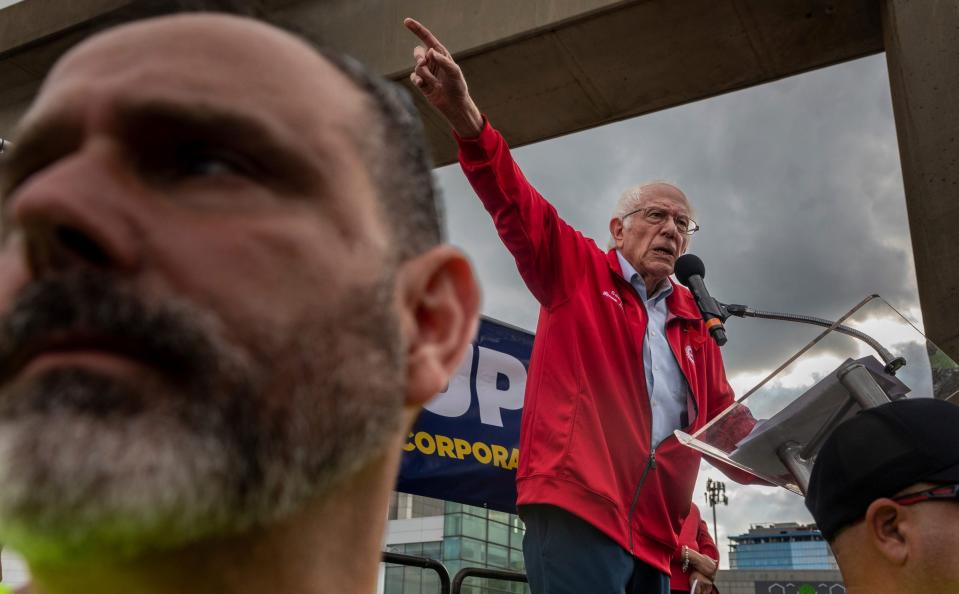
column 464, row 446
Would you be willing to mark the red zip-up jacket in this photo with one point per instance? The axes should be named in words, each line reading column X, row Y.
column 585, row 438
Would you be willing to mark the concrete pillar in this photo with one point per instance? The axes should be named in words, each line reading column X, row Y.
column 922, row 49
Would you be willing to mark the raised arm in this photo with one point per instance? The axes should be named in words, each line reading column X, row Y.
column 550, row 255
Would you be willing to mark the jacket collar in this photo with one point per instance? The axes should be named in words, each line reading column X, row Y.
column 680, row 302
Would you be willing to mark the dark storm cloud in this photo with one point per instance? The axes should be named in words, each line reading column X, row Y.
column 797, row 185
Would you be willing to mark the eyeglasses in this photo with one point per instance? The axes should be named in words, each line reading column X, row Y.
column 942, row 492
column 658, row 216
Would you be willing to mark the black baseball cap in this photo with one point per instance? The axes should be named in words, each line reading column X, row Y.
column 878, row 453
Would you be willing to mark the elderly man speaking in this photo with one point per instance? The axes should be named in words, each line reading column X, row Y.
column 621, row 359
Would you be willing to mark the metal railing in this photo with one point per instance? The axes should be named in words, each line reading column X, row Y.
column 424, row 563
column 496, row 574
column 461, row 575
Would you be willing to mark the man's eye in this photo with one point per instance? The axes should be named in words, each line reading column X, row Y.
column 682, row 223
column 210, row 163
column 655, row 216
column 208, row 167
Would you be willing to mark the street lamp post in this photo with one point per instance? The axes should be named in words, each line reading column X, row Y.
column 716, row 494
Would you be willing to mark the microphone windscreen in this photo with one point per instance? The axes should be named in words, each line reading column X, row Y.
column 689, row 265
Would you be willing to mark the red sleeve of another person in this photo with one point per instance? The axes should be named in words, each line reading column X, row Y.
column 707, row 546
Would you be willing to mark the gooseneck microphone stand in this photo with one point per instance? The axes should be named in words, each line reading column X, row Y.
column 892, row 362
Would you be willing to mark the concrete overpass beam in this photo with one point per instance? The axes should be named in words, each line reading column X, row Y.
column 922, row 50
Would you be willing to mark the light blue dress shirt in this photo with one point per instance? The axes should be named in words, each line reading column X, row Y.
column 667, row 387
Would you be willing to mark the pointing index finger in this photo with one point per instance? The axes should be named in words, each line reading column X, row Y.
column 425, row 35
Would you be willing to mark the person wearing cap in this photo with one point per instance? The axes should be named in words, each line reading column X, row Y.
column 884, row 491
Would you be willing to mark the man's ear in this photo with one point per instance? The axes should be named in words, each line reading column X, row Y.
column 440, row 313
column 616, row 227
column 888, row 527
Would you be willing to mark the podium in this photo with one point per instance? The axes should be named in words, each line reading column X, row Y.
column 775, row 430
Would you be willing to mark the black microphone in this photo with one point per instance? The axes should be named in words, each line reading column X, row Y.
column 690, row 271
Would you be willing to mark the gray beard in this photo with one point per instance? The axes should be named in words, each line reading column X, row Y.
column 95, row 466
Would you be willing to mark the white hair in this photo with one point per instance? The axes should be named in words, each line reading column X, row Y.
column 632, row 199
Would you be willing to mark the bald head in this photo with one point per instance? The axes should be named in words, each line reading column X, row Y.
column 246, row 63
column 249, row 41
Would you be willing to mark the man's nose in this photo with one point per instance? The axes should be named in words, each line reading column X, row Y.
column 669, row 227
column 75, row 213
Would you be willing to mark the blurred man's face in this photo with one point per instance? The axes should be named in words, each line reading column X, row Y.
column 197, row 321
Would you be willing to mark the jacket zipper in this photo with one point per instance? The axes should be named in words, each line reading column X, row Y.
column 650, row 465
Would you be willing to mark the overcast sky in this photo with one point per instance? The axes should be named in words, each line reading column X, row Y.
column 798, row 189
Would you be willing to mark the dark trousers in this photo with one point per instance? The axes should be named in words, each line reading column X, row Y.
column 567, row 555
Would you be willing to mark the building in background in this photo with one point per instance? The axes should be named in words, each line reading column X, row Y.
column 781, row 546
column 780, row 581
column 458, row 536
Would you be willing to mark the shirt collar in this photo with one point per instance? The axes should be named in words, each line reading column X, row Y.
column 664, row 289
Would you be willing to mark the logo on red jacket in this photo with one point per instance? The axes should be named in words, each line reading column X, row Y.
column 689, row 354
column 614, row 297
